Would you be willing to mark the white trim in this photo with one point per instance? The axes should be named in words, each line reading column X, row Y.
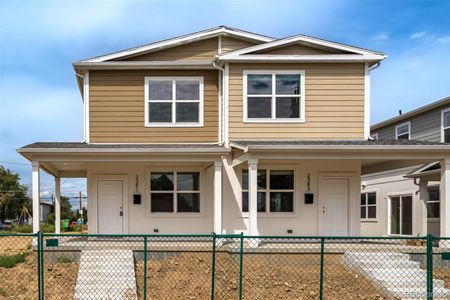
column 35, row 192
column 302, row 58
column 173, row 101
column 400, row 195
column 273, row 96
column 144, row 65
column 366, row 101
column 175, row 213
column 442, row 124
column 209, row 33
column 86, row 108
column 403, row 124
column 226, row 108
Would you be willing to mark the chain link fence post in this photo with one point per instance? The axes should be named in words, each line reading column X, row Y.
column 241, row 260
column 429, row 266
column 145, row 267
column 213, row 267
column 322, row 246
column 40, row 257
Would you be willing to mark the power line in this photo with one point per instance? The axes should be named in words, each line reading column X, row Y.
column 13, row 163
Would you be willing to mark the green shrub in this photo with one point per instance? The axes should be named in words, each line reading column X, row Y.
column 10, row 261
column 22, row 228
column 48, row 228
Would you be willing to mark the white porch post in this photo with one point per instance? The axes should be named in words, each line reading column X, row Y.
column 423, row 207
column 218, row 197
column 35, row 194
column 445, row 197
column 253, row 196
column 57, row 205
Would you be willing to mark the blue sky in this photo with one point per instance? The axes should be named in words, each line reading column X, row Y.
column 40, row 101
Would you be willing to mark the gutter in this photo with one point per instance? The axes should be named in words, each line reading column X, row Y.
column 221, row 102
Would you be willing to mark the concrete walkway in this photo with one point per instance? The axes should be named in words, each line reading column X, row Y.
column 395, row 274
column 106, row 274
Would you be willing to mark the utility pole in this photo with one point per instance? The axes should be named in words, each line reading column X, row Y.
column 81, row 212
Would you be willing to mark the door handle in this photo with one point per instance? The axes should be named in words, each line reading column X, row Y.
column 121, row 211
column 323, row 209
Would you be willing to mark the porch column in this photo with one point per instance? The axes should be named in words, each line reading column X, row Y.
column 35, row 194
column 445, row 197
column 57, row 205
column 253, row 196
column 218, row 197
column 423, row 207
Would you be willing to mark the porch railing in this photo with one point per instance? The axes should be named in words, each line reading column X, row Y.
column 212, row 266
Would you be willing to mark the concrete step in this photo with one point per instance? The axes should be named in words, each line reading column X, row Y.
column 377, row 255
column 372, row 263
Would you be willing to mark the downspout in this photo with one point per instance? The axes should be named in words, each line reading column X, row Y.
column 375, row 66
column 221, row 101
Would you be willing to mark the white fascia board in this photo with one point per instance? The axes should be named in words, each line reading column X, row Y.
column 122, row 65
column 433, row 148
column 302, row 58
column 305, row 39
column 180, row 40
column 122, row 150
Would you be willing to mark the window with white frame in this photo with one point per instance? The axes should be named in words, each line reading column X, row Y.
column 446, row 126
column 275, row 190
column 174, row 101
column 277, row 96
column 175, row 192
column 433, row 205
column 369, row 206
column 403, row 131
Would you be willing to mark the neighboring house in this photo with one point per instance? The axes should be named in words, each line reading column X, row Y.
column 406, row 201
column 45, row 209
column 226, row 131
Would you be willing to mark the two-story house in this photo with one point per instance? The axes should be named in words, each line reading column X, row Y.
column 405, row 201
column 227, row 131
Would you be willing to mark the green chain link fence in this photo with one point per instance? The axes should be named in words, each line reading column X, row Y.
column 74, row 266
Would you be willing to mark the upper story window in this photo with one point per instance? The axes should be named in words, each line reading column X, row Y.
column 403, row 131
column 274, row 96
column 446, row 125
column 174, row 101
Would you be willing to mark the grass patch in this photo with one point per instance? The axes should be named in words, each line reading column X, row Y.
column 48, row 228
column 22, row 228
column 10, row 261
column 62, row 259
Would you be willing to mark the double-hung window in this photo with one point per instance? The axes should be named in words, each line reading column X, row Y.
column 175, row 192
column 369, row 206
column 403, row 131
column 275, row 190
column 274, row 96
column 433, row 204
column 174, row 101
column 446, row 125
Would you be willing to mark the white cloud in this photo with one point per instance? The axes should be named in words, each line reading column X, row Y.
column 381, row 37
column 443, row 39
column 418, row 35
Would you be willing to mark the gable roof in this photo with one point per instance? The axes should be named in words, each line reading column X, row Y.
column 176, row 41
column 412, row 113
column 351, row 52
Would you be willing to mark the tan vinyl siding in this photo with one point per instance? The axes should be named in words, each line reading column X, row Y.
column 116, row 110
column 334, row 103
column 294, row 50
column 201, row 50
column 230, row 44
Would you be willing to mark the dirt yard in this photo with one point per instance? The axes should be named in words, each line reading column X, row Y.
column 21, row 281
column 188, row 276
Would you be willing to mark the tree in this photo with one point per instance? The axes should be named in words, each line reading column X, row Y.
column 66, row 211
column 13, row 195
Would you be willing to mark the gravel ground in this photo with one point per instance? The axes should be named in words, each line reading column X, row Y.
column 188, row 276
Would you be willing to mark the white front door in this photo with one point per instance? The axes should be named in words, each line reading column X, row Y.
column 110, row 206
column 335, row 193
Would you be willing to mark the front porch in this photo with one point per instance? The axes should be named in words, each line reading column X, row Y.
column 297, row 188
